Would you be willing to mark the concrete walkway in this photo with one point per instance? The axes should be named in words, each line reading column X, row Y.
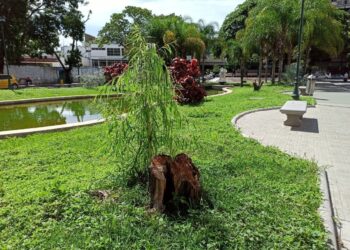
column 324, row 137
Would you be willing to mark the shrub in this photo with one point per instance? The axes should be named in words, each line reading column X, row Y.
column 185, row 74
column 92, row 80
column 115, row 70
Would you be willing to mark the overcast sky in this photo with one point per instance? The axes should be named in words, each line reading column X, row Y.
column 209, row 10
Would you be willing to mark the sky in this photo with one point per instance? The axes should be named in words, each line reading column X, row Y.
column 208, row 10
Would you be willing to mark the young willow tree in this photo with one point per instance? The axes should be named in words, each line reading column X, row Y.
column 143, row 120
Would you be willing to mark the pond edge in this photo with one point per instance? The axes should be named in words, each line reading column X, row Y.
column 47, row 129
column 53, row 99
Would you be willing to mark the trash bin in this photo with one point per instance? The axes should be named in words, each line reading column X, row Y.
column 310, row 86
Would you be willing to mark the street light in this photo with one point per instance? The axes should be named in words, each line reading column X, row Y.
column 300, row 37
column 2, row 21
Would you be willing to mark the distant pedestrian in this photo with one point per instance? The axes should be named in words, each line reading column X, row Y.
column 346, row 76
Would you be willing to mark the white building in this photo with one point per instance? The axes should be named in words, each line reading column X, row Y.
column 342, row 4
column 95, row 56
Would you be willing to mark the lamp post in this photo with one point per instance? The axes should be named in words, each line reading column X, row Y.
column 2, row 21
column 300, row 37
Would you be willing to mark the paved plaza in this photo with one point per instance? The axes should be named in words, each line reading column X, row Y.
column 324, row 137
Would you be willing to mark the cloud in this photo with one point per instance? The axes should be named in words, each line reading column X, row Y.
column 208, row 10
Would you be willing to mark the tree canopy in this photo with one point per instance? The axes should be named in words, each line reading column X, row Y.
column 269, row 28
column 34, row 26
column 185, row 36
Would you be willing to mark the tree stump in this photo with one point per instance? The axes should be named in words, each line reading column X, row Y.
column 174, row 183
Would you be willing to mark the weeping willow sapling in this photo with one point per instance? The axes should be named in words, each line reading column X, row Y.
column 142, row 122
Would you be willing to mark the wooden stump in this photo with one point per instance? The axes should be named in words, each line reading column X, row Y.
column 174, row 183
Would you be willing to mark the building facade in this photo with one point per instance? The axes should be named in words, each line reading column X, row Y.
column 95, row 56
column 342, row 4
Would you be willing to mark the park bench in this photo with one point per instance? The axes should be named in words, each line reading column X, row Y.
column 294, row 111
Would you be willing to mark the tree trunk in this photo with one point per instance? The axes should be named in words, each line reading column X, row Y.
column 242, row 72
column 2, row 64
column 67, row 71
column 202, row 66
column 174, row 183
column 280, row 68
column 260, row 68
column 289, row 56
column 266, row 68
column 273, row 72
column 307, row 61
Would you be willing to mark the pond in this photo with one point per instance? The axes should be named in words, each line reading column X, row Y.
column 47, row 114
column 214, row 92
column 34, row 115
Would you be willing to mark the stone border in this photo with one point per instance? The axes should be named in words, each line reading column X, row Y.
column 29, row 131
column 326, row 210
column 51, row 99
column 240, row 115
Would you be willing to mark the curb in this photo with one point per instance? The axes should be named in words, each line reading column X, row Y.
column 52, row 99
column 47, row 129
column 326, row 210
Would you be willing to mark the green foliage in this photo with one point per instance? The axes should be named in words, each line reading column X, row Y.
column 142, row 121
column 235, row 21
column 322, row 29
column 258, row 197
column 290, row 74
column 120, row 25
column 34, row 27
column 187, row 38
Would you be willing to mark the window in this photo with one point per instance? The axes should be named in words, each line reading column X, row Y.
column 98, row 49
column 113, row 52
column 94, row 63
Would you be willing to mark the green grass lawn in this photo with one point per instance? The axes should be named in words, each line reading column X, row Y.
column 260, row 197
column 29, row 93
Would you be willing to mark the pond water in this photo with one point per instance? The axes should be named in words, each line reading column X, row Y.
column 43, row 114
column 213, row 92
column 47, row 114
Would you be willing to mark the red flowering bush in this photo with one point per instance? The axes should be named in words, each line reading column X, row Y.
column 184, row 74
column 115, row 70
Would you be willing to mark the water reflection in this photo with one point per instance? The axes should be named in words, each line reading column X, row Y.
column 47, row 114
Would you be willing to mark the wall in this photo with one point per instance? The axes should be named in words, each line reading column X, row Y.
column 48, row 75
column 38, row 74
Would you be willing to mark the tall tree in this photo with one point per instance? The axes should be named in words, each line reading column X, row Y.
column 235, row 21
column 322, row 29
column 34, row 26
column 120, row 24
column 46, row 34
column 15, row 12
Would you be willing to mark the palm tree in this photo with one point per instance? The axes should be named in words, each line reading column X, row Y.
column 322, row 30
column 209, row 35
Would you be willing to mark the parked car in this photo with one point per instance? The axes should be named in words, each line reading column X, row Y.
column 4, row 82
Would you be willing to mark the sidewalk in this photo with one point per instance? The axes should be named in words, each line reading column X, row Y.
column 324, row 137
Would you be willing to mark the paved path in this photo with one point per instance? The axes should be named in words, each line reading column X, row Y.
column 324, row 137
